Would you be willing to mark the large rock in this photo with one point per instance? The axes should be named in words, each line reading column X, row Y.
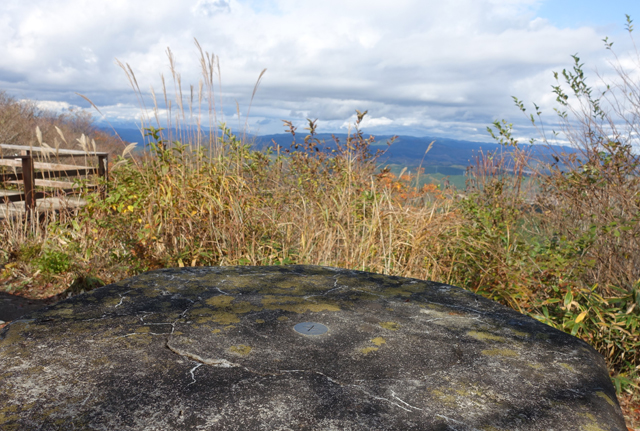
column 297, row 347
column 14, row 306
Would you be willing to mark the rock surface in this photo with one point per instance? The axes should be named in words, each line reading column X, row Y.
column 215, row 348
column 14, row 306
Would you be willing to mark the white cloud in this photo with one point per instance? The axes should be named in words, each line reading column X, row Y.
column 422, row 66
column 211, row 7
column 57, row 106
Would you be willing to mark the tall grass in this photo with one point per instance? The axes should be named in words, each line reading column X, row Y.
column 204, row 197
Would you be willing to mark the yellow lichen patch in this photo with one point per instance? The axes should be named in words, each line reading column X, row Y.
column 226, row 309
column 224, row 318
column 447, row 399
column 243, row 307
column 520, row 333
column 99, row 362
column 465, row 390
column 392, row 326
column 593, row 426
column 143, row 329
column 228, row 328
column 60, row 312
column 499, row 352
column 535, row 366
column 368, row 350
column 240, row 349
column 396, row 291
column 310, row 306
column 283, row 318
column 37, row 370
column 363, row 296
column 437, row 307
column 296, row 304
column 14, row 333
column 288, row 284
column 606, row 398
column 490, row 428
column 216, row 331
column 138, row 339
column 469, row 393
column 7, row 416
column 378, row 341
column 151, row 293
column 259, row 320
column 112, row 302
column 221, row 317
column 567, row 366
column 220, row 301
column 484, row 336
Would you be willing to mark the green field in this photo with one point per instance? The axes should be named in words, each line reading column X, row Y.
column 433, row 174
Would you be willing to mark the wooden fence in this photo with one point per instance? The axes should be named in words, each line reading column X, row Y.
column 45, row 175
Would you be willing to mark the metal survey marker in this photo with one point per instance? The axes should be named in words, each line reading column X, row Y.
column 310, row 328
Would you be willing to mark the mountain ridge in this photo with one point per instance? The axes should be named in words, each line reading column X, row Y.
column 406, row 150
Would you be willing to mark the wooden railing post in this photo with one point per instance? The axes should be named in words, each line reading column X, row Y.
column 103, row 172
column 28, row 181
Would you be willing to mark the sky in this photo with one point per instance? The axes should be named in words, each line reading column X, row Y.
column 419, row 67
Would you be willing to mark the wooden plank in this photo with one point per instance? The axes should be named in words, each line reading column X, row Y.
column 52, row 150
column 54, row 184
column 42, row 205
column 49, row 174
column 58, row 166
column 52, row 204
column 42, row 165
column 70, row 173
column 11, row 211
column 19, row 197
column 11, row 162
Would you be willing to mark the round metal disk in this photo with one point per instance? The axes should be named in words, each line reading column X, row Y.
column 310, row 328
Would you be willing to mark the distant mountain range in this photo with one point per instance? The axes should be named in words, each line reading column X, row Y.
column 412, row 150
column 405, row 150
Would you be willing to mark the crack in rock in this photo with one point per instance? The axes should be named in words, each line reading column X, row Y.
column 122, row 297
column 223, row 363
column 198, row 365
column 361, row 389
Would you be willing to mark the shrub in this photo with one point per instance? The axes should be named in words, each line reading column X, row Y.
column 53, row 262
column 584, row 248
